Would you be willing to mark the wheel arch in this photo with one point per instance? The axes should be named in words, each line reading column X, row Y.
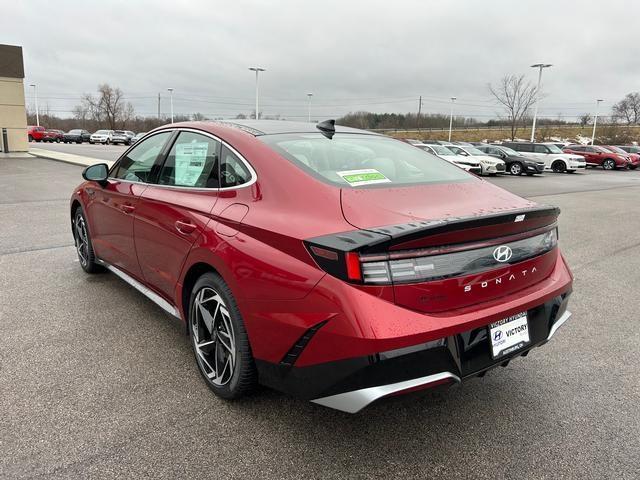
column 193, row 273
column 75, row 205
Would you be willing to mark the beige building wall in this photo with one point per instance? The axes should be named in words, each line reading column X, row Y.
column 13, row 114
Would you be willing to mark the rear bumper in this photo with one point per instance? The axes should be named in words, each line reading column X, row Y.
column 352, row 384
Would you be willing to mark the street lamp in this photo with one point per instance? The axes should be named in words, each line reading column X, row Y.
column 595, row 120
column 453, row 100
column 540, row 66
column 171, row 102
column 35, row 91
column 257, row 70
column 309, row 95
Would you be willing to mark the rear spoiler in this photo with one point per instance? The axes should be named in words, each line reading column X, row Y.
column 379, row 238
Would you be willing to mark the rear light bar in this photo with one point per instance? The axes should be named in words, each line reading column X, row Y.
column 466, row 262
column 433, row 264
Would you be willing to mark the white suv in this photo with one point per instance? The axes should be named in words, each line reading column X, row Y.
column 554, row 158
column 102, row 136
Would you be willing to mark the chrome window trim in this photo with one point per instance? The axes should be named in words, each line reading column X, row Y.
column 254, row 175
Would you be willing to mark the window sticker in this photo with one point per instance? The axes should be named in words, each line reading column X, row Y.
column 190, row 161
column 365, row 176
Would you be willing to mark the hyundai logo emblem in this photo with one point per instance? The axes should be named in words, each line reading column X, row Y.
column 497, row 335
column 502, row 253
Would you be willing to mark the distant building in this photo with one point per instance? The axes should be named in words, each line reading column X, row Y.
column 13, row 115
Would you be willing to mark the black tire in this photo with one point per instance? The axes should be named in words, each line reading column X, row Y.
column 516, row 168
column 78, row 141
column 244, row 378
column 558, row 166
column 30, row 138
column 88, row 264
column 57, row 140
column 609, row 164
column 90, row 142
column 107, row 142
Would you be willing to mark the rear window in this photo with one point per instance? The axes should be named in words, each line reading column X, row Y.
column 355, row 160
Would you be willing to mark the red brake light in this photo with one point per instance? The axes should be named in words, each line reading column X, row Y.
column 353, row 266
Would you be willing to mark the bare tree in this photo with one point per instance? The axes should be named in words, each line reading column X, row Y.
column 108, row 107
column 516, row 96
column 628, row 109
column 585, row 119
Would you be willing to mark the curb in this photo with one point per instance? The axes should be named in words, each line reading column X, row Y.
column 68, row 158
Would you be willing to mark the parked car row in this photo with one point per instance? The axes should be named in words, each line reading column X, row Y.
column 530, row 158
column 106, row 137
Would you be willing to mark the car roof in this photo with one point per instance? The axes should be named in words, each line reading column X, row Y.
column 271, row 127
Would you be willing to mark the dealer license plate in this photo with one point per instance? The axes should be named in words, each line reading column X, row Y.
column 509, row 335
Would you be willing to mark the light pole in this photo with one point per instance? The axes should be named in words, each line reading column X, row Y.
column 535, row 111
column 171, row 102
column 595, row 120
column 309, row 95
column 257, row 70
column 35, row 91
column 453, row 100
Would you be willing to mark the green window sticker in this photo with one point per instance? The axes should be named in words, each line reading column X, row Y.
column 365, row 176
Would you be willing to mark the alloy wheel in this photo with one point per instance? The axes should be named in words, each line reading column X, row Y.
column 516, row 169
column 609, row 165
column 82, row 240
column 213, row 336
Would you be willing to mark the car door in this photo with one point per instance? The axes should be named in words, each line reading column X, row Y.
column 172, row 213
column 541, row 152
column 592, row 156
column 111, row 207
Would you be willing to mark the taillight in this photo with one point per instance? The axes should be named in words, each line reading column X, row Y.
column 411, row 266
column 344, row 265
column 353, row 266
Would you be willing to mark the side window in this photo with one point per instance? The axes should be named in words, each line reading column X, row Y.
column 233, row 171
column 540, row 149
column 137, row 165
column 524, row 148
column 577, row 149
column 192, row 162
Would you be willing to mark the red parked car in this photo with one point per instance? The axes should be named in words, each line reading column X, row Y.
column 633, row 159
column 36, row 134
column 597, row 156
column 52, row 135
column 335, row 264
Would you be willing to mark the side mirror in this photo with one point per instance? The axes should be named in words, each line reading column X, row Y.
column 96, row 173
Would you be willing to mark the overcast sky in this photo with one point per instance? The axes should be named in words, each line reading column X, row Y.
column 374, row 55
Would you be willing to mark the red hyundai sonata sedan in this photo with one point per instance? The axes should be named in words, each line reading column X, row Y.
column 331, row 263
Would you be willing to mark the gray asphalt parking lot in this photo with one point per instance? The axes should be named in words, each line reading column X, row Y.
column 97, row 382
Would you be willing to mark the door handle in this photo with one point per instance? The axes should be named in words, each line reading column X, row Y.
column 185, row 227
column 127, row 208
